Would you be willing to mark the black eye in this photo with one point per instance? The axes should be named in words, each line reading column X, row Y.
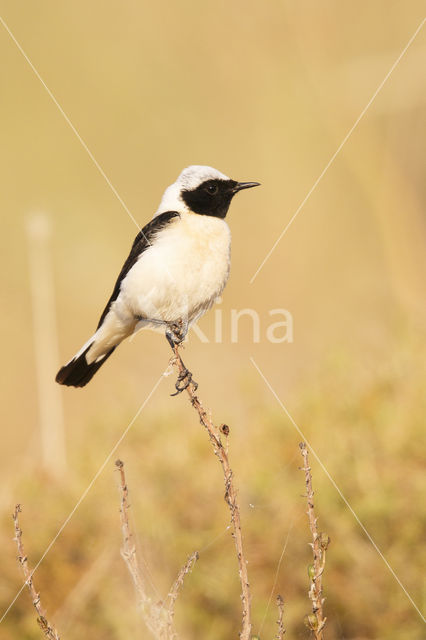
column 212, row 189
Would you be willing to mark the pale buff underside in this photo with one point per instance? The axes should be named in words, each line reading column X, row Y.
column 178, row 278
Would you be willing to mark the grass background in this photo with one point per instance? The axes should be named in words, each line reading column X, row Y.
column 262, row 91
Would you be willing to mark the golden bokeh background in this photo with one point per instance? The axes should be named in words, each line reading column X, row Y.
column 265, row 92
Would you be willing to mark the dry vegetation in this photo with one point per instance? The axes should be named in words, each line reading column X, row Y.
column 48, row 630
column 175, row 512
column 320, row 541
column 158, row 615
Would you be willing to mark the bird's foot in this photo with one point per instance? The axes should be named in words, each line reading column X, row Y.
column 183, row 381
column 176, row 332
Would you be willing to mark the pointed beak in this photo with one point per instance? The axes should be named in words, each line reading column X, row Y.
column 244, row 185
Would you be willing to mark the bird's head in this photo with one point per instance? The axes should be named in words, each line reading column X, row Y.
column 202, row 190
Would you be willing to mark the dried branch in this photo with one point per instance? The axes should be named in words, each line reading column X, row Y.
column 174, row 591
column 158, row 616
column 230, row 491
column 151, row 612
column 320, row 541
column 48, row 630
column 280, row 623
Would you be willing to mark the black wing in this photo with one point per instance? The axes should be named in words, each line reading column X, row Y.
column 140, row 244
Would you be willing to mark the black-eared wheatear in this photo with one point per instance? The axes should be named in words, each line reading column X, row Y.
column 178, row 265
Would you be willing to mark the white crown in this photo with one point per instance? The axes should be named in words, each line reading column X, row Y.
column 189, row 179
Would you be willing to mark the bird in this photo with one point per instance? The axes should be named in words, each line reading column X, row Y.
column 177, row 267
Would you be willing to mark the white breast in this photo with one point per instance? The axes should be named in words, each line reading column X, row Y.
column 181, row 274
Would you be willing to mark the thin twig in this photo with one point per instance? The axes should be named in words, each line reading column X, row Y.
column 320, row 541
column 280, row 622
column 48, row 630
column 230, row 490
column 174, row 591
column 158, row 616
column 151, row 613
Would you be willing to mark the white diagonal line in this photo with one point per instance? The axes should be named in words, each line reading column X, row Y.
column 284, row 549
column 335, row 154
column 82, row 142
column 85, row 492
column 70, row 124
column 296, row 426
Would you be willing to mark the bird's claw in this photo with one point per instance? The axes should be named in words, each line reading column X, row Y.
column 183, row 382
column 176, row 333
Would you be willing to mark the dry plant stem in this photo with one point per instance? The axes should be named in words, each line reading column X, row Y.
column 230, row 492
column 317, row 623
column 48, row 630
column 150, row 612
column 158, row 616
column 174, row 591
column 280, row 622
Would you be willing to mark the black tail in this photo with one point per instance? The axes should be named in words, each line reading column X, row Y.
column 77, row 373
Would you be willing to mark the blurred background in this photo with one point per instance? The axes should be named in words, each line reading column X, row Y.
column 265, row 92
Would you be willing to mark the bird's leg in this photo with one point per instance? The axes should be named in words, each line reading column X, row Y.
column 170, row 339
column 175, row 335
column 177, row 331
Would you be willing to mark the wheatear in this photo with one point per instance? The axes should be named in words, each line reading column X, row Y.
column 177, row 267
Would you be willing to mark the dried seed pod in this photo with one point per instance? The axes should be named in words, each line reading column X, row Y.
column 311, row 622
column 324, row 539
column 224, row 429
